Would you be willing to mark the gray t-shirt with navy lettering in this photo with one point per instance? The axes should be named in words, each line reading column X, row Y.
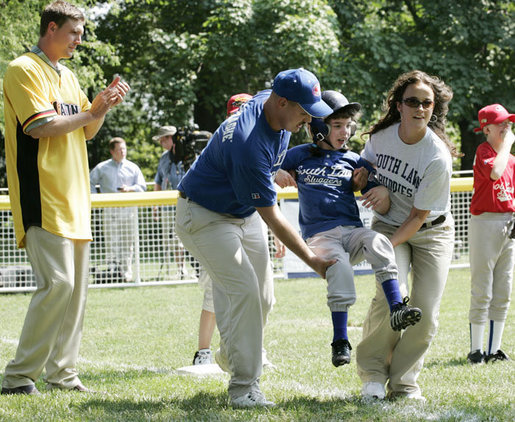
column 416, row 175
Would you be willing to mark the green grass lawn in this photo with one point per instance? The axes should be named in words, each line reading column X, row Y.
column 135, row 339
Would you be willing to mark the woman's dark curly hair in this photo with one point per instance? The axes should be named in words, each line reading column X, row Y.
column 442, row 93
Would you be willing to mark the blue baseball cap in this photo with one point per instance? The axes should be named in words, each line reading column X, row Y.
column 301, row 86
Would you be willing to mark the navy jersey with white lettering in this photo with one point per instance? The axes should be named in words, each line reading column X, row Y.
column 324, row 180
column 235, row 172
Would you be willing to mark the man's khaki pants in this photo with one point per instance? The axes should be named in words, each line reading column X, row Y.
column 52, row 331
column 234, row 252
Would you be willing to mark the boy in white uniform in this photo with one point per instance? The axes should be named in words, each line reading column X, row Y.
column 492, row 248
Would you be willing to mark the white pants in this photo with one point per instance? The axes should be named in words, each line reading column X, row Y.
column 387, row 355
column 234, row 252
column 492, row 256
column 351, row 245
column 52, row 331
column 207, row 285
column 121, row 239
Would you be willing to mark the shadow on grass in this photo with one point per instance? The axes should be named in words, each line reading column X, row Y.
column 111, row 376
column 125, row 375
column 313, row 408
column 172, row 404
column 446, row 364
column 208, row 406
column 202, row 406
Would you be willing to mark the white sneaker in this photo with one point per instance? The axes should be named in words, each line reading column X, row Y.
column 415, row 395
column 373, row 390
column 203, row 357
column 253, row 398
column 266, row 363
column 222, row 361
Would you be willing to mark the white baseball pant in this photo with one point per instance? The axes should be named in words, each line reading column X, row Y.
column 121, row 238
column 492, row 257
column 351, row 245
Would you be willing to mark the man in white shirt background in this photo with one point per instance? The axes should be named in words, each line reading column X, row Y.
column 120, row 223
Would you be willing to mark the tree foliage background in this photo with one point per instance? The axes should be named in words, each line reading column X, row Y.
column 185, row 58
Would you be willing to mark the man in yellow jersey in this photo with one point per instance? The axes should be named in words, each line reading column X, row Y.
column 47, row 122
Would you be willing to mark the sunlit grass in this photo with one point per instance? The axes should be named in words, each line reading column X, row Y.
column 136, row 338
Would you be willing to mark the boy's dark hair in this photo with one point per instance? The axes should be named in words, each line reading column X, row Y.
column 59, row 12
column 344, row 113
column 342, row 107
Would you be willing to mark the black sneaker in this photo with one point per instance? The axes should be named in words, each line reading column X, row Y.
column 403, row 315
column 499, row 355
column 341, row 352
column 477, row 356
column 202, row 357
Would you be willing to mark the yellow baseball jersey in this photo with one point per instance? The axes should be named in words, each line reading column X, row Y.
column 48, row 178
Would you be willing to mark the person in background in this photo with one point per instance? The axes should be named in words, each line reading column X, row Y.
column 221, row 199
column 118, row 175
column 491, row 235
column 170, row 171
column 235, row 102
column 327, row 175
column 48, row 119
column 412, row 156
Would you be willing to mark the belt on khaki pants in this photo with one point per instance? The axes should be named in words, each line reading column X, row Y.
column 438, row 220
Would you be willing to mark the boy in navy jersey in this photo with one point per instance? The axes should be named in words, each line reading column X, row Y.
column 327, row 176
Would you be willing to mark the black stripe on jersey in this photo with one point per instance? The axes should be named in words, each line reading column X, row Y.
column 28, row 177
column 40, row 115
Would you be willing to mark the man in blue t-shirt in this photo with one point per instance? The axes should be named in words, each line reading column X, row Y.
column 217, row 221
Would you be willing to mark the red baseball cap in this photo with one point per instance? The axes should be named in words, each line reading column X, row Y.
column 492, row 114
column 236, row 101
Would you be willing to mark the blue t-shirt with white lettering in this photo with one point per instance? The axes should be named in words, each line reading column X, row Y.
column 235, row 172
column 324, row 180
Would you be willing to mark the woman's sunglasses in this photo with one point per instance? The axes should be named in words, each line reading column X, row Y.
column 414, row 102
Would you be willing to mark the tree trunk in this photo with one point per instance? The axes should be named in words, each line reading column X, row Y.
column 205, row 117
column 469, row 143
